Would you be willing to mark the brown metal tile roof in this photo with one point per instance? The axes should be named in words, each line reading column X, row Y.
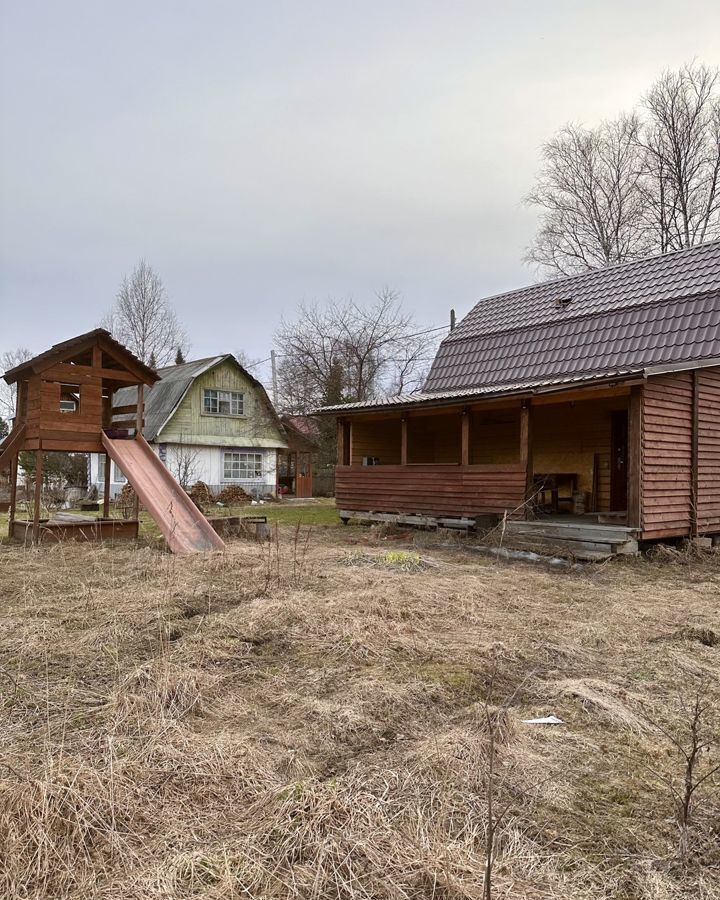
column 651, row 315
column 648, row 335
column 662, row 309
column 685, row 273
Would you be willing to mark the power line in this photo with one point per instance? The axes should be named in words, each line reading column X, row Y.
column 405, row 337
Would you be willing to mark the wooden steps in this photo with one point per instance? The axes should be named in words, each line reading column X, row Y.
column 582, row 541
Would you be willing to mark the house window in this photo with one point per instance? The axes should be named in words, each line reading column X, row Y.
column 222, row 403
column 242, row 465
column 116, row 476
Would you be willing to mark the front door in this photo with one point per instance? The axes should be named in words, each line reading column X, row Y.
column 303, row 475
column 618, row 461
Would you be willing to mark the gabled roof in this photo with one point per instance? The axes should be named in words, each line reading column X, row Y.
column 163, row 399
column 66, row 349
column 653, row 315
column 685, row 273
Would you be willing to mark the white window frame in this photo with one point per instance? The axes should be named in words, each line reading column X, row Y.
column 214, row 398
column 116, row 476
column 247, row 463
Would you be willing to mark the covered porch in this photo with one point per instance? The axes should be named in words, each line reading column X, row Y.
column 567, row 458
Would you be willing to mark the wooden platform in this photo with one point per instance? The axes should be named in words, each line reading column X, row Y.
column 415, row 521
column 576, row 538
column 72, row 529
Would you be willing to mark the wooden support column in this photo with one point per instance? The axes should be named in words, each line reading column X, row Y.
column 526, row 460
column 403, row 440
column 349, row 442
column 38, row 493
column 140, row 408
column 695, row 455
column 139, row 429
column 340, row 452
column 634, row 467
column 465, row 438
column 13, row 493
column 106, row 488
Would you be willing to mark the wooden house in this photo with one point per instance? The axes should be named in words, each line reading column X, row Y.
column 207, row 420
column 586, row 407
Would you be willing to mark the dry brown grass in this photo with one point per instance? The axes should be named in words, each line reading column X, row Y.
column 307, row 719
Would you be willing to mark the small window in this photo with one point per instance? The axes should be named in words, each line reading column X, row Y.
column 242, row 465
column 222, row 403
column 69, row 398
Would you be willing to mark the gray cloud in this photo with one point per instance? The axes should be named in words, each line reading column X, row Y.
column 260, row 154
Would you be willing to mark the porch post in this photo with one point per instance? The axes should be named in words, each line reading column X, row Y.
column 140, row 408
column 13, row 493
column 106, row 488
column 465, row 438
column 403, row 440
column 38, row 492
column 634, row 471
column 526, row 445
column 340, row 443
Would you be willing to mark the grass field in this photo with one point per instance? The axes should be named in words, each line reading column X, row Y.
column 327, row 716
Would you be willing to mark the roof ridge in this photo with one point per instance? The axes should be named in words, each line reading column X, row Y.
column 193, row 362
column 647, row 304
column 600, row 270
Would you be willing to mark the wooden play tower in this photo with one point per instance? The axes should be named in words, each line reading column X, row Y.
column 65, row 403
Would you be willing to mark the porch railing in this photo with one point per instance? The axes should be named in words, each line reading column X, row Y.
column 429, row 489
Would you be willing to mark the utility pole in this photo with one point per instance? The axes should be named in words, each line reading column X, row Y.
column 274, row 377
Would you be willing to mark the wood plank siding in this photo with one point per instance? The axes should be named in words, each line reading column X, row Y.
column 708, row 467
column 667, row 455
column 673, row 469
column 430, row 489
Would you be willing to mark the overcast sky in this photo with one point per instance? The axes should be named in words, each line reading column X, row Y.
column 257, row 154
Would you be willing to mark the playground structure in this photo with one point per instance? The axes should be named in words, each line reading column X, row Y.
column 65, row 403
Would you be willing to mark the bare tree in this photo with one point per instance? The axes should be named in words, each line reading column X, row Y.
column 183, row 463
column 695, row 743
column 646, row 183
column 143, row 319
column 345, row 352
column 8, row 392
column 681, row 143
column 592, row 199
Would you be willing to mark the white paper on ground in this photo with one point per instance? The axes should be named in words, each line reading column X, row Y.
column 544, row 720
